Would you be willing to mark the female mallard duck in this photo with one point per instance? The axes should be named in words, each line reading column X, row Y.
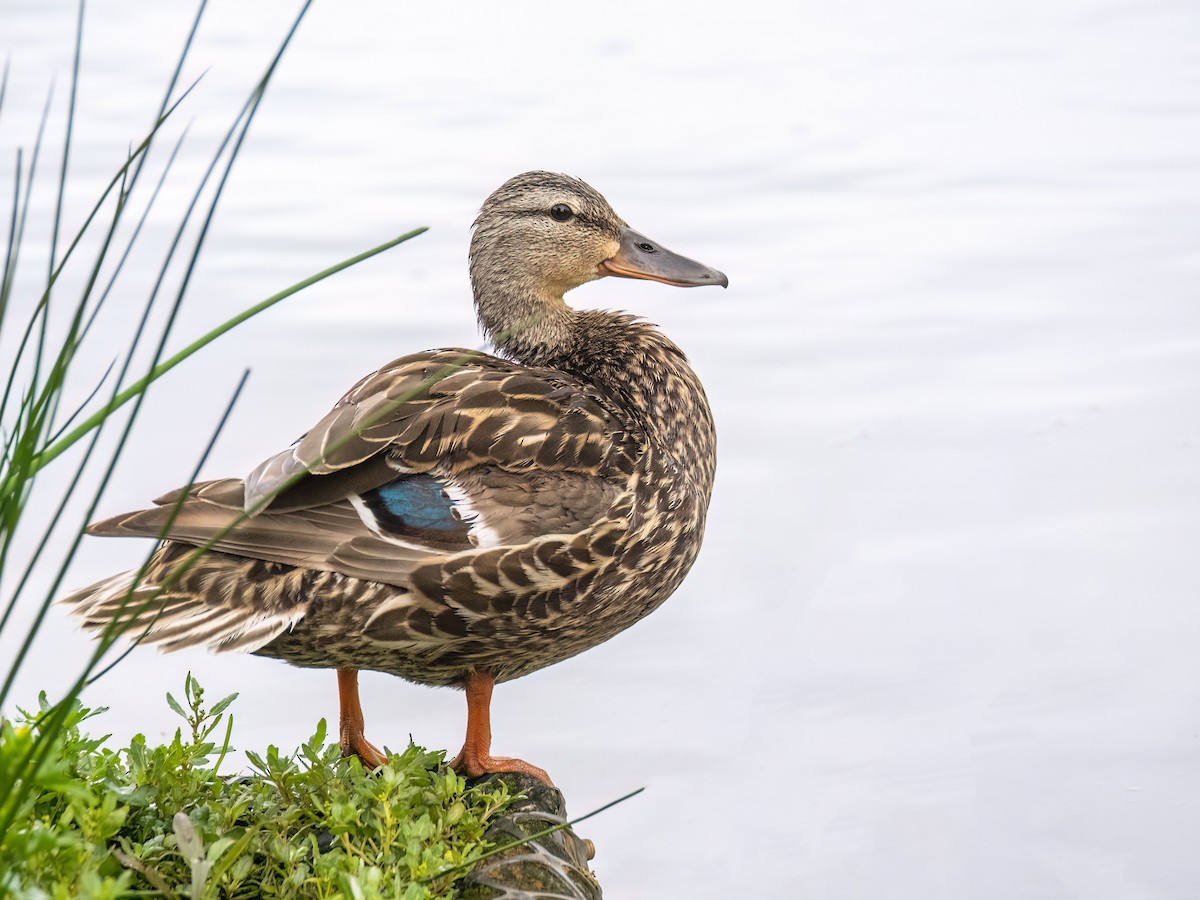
column 458, row 518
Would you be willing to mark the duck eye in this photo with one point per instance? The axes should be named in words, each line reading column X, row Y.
column 560, row 212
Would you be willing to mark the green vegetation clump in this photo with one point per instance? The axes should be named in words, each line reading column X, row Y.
column 161, row 821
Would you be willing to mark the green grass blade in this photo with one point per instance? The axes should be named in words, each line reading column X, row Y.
column 6, row 273
column 17, row 233
column 66, row 157
column 42, row 414
column 30, row 467
column 34, row 411
column 50, row 453
column 4, row 84
column 15, row 489
column 62, row 190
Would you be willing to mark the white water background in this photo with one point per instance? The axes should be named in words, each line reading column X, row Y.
column 942, row 639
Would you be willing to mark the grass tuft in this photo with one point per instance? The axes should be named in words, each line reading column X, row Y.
column 161, row 818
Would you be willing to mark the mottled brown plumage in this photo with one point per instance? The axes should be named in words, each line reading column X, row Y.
column 458, row 518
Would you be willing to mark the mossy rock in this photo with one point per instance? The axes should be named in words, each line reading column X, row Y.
column 551, row 867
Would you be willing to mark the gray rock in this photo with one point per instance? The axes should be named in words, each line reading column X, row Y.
column 552, row 867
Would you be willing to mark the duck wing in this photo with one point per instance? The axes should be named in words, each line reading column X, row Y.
column 434, row 456
column 449, row 411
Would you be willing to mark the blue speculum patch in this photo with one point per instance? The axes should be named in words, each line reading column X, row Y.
column 415, row 502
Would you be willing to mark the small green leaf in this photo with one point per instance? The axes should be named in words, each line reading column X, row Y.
column 222, row 861
column 140, row 796
column 175, row 707
column 222, row 705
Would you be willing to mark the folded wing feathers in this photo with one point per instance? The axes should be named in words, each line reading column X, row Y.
column 482, row 414
column 479, row 414
column 314, row 538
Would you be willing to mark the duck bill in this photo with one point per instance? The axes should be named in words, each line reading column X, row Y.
column 640, row 257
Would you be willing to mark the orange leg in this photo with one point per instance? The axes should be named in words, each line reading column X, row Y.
column 350, row 722
column 475, row 758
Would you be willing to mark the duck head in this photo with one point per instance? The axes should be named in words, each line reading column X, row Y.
column 541, row 234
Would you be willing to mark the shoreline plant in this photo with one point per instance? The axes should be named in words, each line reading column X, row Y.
column 161, row 820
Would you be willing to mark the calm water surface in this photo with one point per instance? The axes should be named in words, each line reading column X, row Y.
column 941, row 642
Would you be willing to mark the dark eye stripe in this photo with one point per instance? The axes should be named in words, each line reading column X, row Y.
column 602, row 226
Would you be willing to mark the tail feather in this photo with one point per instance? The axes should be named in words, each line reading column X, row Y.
column 224, row 602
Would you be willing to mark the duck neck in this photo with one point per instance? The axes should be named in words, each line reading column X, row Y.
column 524, row 321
